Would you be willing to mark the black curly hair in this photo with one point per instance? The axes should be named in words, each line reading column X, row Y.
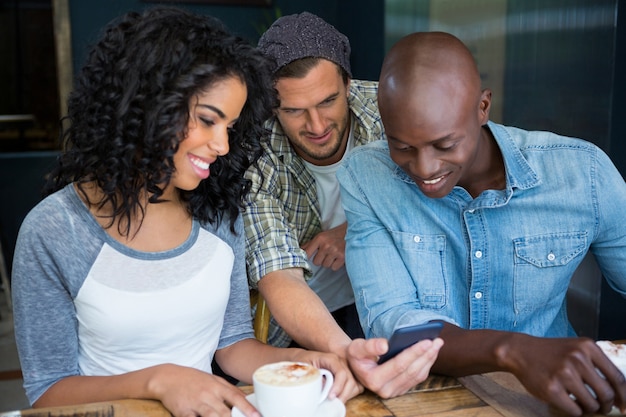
column 129, row 111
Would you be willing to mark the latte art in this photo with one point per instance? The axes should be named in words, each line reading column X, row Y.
column 286, row 389
column 287, row 374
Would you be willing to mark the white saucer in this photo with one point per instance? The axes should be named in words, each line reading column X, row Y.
column 329, row 408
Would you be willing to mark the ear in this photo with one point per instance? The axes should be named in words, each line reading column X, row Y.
column 485, row 106
column 348, row 87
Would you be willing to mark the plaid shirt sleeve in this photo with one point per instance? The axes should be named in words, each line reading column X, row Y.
column 272, row 241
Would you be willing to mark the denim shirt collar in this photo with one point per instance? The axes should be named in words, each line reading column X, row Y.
column 519, row 173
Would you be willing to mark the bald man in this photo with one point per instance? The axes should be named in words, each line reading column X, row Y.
column 480, row 226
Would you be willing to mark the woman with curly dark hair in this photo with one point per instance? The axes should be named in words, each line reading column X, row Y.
column 129, row 277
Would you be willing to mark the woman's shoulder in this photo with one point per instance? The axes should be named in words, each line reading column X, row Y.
column 59, row 234
column 54, row 206
column 60, row 215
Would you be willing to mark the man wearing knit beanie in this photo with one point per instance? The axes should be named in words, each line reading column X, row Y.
column 295, row 225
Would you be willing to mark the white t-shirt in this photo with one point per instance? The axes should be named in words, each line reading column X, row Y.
column 177, row 292
column 333, row 287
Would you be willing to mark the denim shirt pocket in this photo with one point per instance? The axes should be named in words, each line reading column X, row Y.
column 544, row 265
column 424, row 257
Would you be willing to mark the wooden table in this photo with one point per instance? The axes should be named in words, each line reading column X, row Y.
column 491, row 395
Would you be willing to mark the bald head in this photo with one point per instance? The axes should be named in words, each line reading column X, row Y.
column 434, row 112
column 426, row 69
column 424, row 57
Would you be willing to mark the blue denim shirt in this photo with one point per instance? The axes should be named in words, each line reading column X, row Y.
column 502, row 260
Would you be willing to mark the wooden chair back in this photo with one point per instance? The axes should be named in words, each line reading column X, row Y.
column 261, row 317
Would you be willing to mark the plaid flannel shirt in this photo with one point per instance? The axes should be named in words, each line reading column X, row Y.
column 282, row 208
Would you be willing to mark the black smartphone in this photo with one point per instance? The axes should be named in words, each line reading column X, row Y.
column 404, row 337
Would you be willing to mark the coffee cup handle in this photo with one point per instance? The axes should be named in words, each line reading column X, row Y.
column 328, row 384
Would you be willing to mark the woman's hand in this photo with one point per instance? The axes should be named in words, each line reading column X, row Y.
column 190, row 392
column 345, row 385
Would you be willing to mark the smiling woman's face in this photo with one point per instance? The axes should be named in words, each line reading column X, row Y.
column 212, row 114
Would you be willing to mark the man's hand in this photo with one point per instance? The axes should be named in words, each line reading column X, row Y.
column 396, row 376
column 572, row 374
column 329, row 248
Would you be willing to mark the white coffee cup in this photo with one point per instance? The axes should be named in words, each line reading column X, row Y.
column 288, row 389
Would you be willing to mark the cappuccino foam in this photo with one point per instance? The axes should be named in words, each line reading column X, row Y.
column 286, row 374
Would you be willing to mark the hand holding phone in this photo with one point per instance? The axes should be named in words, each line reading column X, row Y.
column 404, row 337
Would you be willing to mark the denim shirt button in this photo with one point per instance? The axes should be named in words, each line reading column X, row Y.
column 470, row 211
column 478, row 295
column 478, row 254
column 417, row 239
column 551, row 256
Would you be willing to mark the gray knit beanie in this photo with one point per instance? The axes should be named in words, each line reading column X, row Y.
column 305, row 35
